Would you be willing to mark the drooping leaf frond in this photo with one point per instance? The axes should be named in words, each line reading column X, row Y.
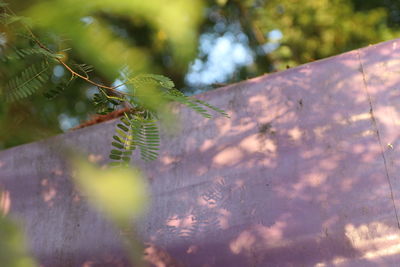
column 146, row 138
column 175, row 95
column 28, row 82
column 218, row 110
column 122, row 143
column 195, row 104
column 155, row 79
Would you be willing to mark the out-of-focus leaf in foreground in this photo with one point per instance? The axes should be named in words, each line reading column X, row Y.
column 12, row 245
column 120, row 193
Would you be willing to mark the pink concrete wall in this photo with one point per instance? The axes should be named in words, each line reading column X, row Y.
column 305, row 173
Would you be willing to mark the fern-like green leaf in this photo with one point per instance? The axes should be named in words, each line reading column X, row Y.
column 197, row 105
column 23, row 53
column 147, row 138
column 139, row 129
column 155, row 79
column 218, row 110
column 175, row 95
column 123, row 143
column 28, row 82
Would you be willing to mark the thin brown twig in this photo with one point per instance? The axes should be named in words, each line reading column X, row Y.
column 66, row 66
column 74, row 73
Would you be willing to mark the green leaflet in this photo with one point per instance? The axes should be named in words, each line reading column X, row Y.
column 118, row 145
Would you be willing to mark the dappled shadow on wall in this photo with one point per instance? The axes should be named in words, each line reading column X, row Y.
column 295, row 177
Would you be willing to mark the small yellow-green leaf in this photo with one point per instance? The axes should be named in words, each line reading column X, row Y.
column 13, row 250
column 222, row 2
column 121, row 193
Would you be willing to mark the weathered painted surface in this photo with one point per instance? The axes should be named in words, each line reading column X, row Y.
column 305, row 173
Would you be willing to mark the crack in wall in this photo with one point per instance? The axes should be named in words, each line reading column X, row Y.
column 375, row 125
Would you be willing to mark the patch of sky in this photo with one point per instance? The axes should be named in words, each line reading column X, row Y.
column 66, row 122
column 267, row 48
column 124, row 75
column 118, row 82
column 275, row 35
column 87, row 20
column 220, row 55
column 58, row 71
column 91, row 91
column 3, row 39
column 274, row 38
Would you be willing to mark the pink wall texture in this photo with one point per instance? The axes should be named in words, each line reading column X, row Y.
column 305, row 173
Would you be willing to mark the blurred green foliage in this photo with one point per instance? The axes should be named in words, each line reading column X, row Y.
column 322, row 28
column 309, row 30
column 152, row 36
column 120, row 193
column 13, row 252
